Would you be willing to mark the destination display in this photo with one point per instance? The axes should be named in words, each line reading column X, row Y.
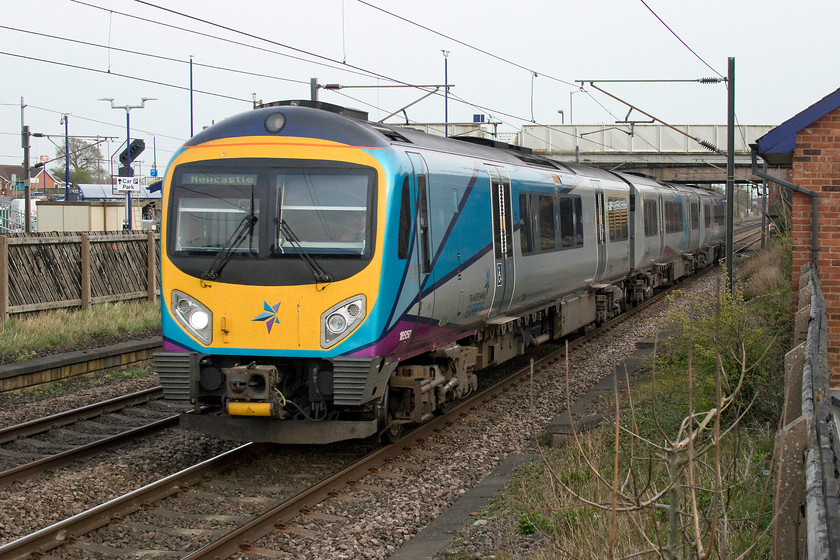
column 247, row 179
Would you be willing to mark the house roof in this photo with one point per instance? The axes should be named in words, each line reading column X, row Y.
column 776, row 147
column 6, row 172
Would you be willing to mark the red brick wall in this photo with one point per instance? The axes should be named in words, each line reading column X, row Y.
column 816, row 166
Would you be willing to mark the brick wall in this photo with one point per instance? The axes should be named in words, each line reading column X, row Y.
column 816, row 166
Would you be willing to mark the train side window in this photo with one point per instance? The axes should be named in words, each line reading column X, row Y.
column 526, row 227
column 547, row 227
column 578, row 221
column 567, row 222
column 617, row 219
column 707, row 214
column 673, row 216
column 651, row 218
column 695, row 215
column 404, row 233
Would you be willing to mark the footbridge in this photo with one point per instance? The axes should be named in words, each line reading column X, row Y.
column 669, row 154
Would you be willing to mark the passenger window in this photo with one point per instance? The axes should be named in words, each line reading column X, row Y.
column 547, row 226
column 617, row 219
column 673, row 216
column 579, row 221
column 567, row 222
column 651, row 218
column 526, row 229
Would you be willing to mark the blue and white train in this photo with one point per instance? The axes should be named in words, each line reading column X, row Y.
column 328, row 278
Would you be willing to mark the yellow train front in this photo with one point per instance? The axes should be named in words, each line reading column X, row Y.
column 272, row 226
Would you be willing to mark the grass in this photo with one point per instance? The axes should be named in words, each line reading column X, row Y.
column 559, row 505
column 22, row 339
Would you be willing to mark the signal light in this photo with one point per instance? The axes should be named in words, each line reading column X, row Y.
column 130, row 154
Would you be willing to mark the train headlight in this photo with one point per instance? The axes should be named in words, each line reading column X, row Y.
column 275, row 122
column 339, row 320
column 336, row 323
column 193, row 316
column 199, row 320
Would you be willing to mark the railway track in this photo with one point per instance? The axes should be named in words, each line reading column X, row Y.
column 237, row 531
column 258, row 509
column 30, row 448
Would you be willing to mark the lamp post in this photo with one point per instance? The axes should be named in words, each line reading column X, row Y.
column 191, row 96
column 445, row 92
column 571, row 113
column 65, row 118
column 127, row 109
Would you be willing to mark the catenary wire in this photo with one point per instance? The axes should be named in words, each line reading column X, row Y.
column 215, row 37
column 469, row 46
column 369, row 73
column 680, row 39
column 155, row 56
column 282, row 54
column 118, row 74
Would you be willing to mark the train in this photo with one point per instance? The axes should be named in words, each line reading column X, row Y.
column 328, row 278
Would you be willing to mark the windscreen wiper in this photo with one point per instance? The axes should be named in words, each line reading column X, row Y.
column 317, row 271
column 245, row 228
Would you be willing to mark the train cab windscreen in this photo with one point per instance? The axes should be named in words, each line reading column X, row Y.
column 261, row 212
column 322, row 212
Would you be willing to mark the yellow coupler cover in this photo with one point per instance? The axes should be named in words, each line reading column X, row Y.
column 249, row 408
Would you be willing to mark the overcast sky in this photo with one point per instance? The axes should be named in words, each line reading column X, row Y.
column 786, row 58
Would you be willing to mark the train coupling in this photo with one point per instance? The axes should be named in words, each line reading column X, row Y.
column 251, row 391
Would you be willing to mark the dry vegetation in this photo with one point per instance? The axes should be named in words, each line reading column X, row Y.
column 59, row 331
column 685, row 472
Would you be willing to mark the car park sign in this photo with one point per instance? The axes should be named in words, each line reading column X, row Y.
column 127, row 185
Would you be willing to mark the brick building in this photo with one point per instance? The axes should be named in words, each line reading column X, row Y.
column 11, row 180
column 809, row 143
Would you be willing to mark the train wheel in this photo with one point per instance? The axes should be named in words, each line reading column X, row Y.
column 389, row 431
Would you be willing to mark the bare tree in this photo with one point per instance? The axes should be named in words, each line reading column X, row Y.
column 85, row 162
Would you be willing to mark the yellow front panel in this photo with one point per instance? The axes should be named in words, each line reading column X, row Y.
column 296, row 324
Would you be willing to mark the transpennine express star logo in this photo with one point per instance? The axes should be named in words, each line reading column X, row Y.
column 269, row 315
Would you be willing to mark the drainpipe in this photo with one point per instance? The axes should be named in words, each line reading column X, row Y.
column 788, row 185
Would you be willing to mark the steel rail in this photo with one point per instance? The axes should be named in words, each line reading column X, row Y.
column 61, row 419
column 28, row 470
column 41, row 425
column 59, row 533
column 242, row 538
column 245, row 536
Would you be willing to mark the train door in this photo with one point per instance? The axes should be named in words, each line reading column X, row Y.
column 504, row 272
column 422, row 225
column 600, row 229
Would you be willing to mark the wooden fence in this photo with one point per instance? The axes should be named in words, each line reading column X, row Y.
column 40, row 272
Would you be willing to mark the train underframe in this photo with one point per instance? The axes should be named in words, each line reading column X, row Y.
column 321, row 401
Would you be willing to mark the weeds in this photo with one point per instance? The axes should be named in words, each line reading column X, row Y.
column 684, row 471
column 23, row 339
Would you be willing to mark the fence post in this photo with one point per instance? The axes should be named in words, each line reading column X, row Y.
column 150, row 265
column 85, row 251
column 4, row 278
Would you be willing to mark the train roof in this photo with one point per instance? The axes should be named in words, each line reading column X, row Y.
column 349, row 126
